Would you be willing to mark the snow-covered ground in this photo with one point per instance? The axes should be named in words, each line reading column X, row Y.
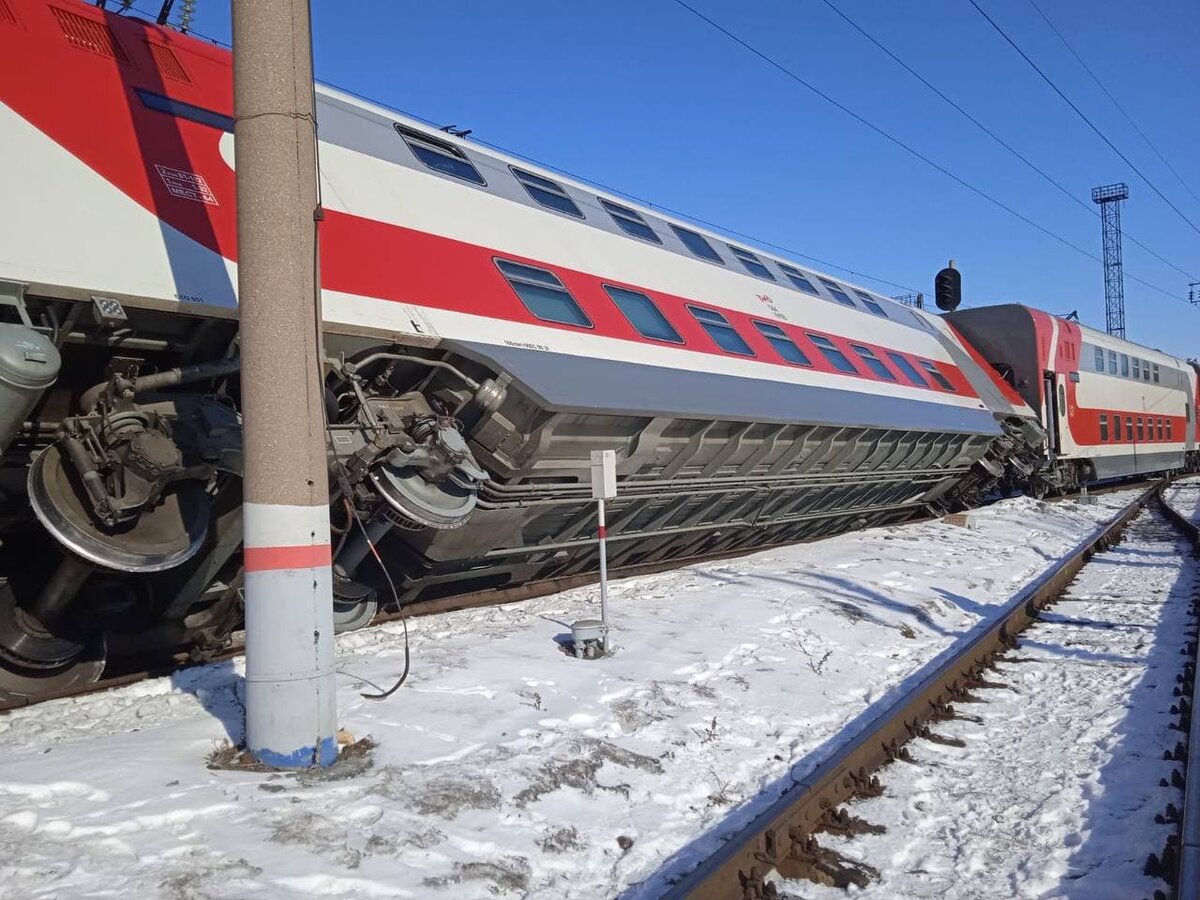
column 1055, row 790
column 504, row 767
column 1184, row 497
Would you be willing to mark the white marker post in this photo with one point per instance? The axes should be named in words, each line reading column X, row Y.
column 604, row 487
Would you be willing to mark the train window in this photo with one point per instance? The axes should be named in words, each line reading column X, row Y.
column 836, row 357
column 1129, row 427
column 1099, row 359
column 723, row 334
column 869, row 302
column 1145, row 370
column 439, row 155
column 698, row 244
column 798, row 278
column 1103, row 427
column 1137, row 368
column 752, row 263
column 1112, row 362
column 1124, row 365
column 546, row 192
column 630, row 221
column 908, row 369
column 1169, row 429
column 643, row 315
column 1141, row 429
column 838, row 294
column 1160, row 429
column 874, row 363
column 543, row 294
column 159, row 103
column 936, row 375
column 1116, row 427
column 783, row 344
column 1155, row 368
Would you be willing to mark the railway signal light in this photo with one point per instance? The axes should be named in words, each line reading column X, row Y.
column 947, row 288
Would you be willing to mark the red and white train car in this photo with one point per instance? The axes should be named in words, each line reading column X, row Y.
column 1110, row 407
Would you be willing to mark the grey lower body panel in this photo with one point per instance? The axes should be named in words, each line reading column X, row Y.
column 562, row 382
column 1137, row 463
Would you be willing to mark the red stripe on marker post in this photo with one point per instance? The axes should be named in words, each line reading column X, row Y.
column 308, row 556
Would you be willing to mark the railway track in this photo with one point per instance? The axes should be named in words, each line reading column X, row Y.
column 1187, row 850
column 132, row 672
column 783, row 838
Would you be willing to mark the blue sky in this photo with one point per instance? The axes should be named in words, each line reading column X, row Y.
column 642, row 96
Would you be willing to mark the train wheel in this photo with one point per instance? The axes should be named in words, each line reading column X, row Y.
column 350, row 615
column 34, row 662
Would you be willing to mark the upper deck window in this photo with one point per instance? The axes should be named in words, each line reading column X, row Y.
column 907, row 368
column 1099, row 359
column 543, row 294
column 752, row 263
column 1137, row 368
column 546, row 192
column 936, row 375
column 869, row 302
column 643, row 315
column 698, row 244
column 783, row 344
column 439, row 155
column 630, row 221
column 836, row 290
column 718, row 328
column 1155, row 368
column 874, row 363
column 1112, row 362
column 799, row 279
column 835, row 356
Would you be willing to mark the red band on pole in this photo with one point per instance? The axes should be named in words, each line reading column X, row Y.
column 603, row 532
column 308, row 556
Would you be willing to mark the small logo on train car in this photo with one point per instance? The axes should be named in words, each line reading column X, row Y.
column 186, row 185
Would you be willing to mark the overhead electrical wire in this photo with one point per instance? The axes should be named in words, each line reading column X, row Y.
column 1119, row 107
column 1100, row 134
column 910, row 149
column 1090, row 209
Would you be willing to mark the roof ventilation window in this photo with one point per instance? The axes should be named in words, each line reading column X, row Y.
column 88, row 34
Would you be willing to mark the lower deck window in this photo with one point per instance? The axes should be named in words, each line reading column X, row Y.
column 939, row 379
column 643, row 315
column 1129, row 427
column 1141, row 430
column 1160, row 429
column 836, row 357
column 874, row 363
column 718, row 328
column 1116, row 428
column 1169, row 430
column 783, row 344
column 908, row 369
column 1103, row 427
column 543, row 294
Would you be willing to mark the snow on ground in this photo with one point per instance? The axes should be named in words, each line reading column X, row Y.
column 1184, row 497
column 505, row 767
column 1055, row 791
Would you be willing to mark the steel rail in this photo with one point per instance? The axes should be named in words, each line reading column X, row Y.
column 1187, row 882
column 781, row 838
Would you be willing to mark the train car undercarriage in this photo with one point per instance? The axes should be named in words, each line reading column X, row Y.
column 121, row 515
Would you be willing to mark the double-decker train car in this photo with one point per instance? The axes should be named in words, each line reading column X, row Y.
column 487, row 323
column 1110, row 407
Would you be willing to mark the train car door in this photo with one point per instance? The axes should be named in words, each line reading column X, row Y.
column 1052, row 413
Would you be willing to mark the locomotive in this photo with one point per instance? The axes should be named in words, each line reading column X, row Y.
column 487, row 322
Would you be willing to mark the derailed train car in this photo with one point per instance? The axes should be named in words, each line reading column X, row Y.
column 487, row 323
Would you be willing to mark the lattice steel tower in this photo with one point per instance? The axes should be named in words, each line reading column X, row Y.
column 1109, row 197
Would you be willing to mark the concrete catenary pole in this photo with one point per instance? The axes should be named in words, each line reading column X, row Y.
column 291, row 715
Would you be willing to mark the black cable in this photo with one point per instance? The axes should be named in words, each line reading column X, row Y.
column 1120, row 108
column 1100, row 134
column 1090, row 209
column 911, row 150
